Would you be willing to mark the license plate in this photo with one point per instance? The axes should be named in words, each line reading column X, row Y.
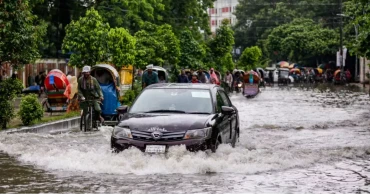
column 155, row 149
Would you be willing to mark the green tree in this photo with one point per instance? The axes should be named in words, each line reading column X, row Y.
column 121, row 46
column 191, row 51
column 301, row 39
column 21, row 33
column 130, row 14
column 256, row 19
column 57, row 14
column 156, row 45
column 86, row 39
column 222, row 44
column 181, row 14
column 250, row 58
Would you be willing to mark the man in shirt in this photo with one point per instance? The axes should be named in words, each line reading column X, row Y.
column 183, row 78
column 89, row 89
column 149, row 77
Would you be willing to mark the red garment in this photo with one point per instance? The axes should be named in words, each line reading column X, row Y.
column 195, row 81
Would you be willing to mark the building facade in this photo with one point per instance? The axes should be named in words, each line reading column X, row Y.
column 222, row 9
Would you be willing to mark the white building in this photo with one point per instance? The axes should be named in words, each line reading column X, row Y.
column 223, row 9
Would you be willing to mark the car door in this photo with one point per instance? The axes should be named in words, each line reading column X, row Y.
column 223, row 123
column 230, row 118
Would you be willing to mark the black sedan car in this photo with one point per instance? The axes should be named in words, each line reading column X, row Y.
column 199, row 116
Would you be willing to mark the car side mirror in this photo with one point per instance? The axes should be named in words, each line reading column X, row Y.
column 122, row 109
column 227, row 110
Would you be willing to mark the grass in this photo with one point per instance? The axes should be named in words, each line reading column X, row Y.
column 17, row 122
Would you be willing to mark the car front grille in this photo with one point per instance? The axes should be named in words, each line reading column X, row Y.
column 166, row 136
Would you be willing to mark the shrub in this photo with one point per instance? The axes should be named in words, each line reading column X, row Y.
column 30, row 109
column 9, row 89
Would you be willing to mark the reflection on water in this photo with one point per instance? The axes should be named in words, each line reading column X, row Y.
column 292, row 140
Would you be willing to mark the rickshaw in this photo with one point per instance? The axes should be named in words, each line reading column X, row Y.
column 337, row 75
column 162, row 72
column 275, row 74
column 109, row 81
column 283, row 76
column 318, row 75
column 251, row 84
column 55, row 83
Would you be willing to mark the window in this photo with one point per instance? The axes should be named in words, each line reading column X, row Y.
column 220, row 102
column 213, row 22
column 212, row 11
column 225, row 99
column 173, row 99
column 216, row 22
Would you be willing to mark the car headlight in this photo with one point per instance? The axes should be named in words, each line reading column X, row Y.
column 197, row 133
column 239, row 85
column 122, row 132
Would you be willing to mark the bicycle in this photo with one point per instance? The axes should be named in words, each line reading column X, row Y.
column 88, row 118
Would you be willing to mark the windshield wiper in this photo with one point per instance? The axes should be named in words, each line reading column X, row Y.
column 166, row 111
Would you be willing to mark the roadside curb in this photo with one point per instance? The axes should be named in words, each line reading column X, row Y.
column 61, row 125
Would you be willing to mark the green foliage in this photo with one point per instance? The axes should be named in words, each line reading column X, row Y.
column 250, row 58
column 181, row 14
column 264, row 15
column 156, row 45
column 130, row 14
column 86, row 39
column 227, row 63
column 191, row 51
column 130, row 95
column 301, row 39
column 9, row 89
column 222, row 45
column 358, row 14
column 121, row 47
column 30, row 109
column 20, row 34
column 224, row 40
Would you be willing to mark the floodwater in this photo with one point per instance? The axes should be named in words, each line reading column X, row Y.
column 293, row 140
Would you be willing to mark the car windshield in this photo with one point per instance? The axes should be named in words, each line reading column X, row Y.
column 191, row 101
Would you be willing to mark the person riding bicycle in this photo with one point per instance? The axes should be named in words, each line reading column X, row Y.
column 89, row 89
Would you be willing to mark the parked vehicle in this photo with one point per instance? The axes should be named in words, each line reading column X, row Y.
column 109, row 81
column 55, row 83
column 251, row 84
column 161, row 72
column 283, row 76
column 199, row 116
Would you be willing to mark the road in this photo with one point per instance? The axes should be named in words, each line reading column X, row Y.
column 293, row 140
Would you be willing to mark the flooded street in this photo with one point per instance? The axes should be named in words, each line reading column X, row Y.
column 293, row 140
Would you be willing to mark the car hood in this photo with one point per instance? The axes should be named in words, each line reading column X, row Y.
column 165, row 122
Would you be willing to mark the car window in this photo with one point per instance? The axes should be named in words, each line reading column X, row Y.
column 220, row 102
column 225, row 99
column 186, row 100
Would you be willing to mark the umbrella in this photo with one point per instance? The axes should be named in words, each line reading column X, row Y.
column 284, row 64
column 336, row 72
column 295, row 70
column 320, row 70
column 291, row 66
